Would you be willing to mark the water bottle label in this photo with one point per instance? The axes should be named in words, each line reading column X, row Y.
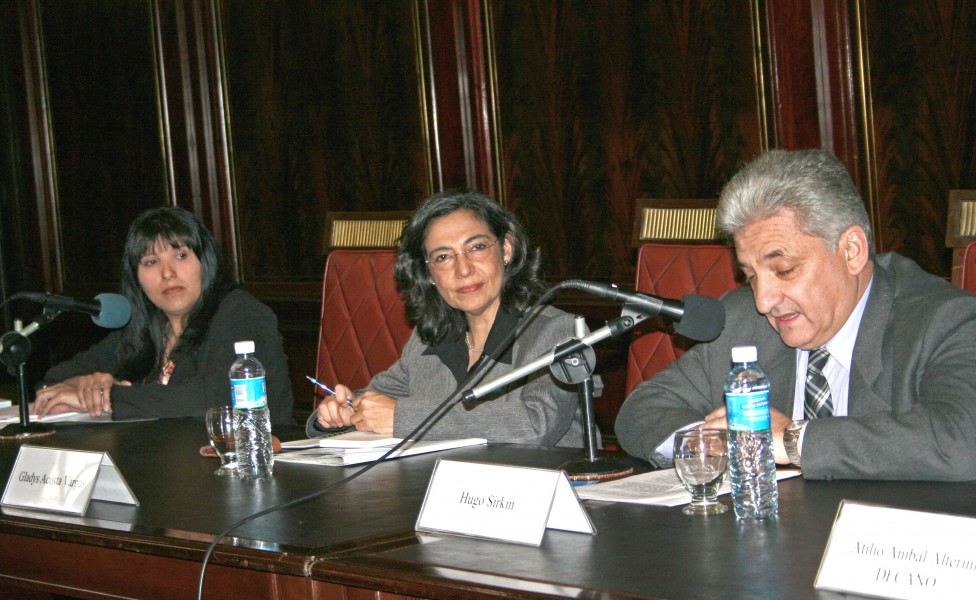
column 748, row 412
column 249, row 393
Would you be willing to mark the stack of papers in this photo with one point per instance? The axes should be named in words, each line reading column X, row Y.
column 661, row 488
column 358, row 447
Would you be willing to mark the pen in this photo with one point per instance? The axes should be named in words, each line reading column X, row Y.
column 325, row 387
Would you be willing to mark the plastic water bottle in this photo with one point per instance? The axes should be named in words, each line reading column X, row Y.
column 255, row 456
column 752, row 466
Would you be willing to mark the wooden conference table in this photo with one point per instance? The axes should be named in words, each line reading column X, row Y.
column 359, row 540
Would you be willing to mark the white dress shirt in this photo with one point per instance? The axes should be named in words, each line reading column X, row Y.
column 838, row 367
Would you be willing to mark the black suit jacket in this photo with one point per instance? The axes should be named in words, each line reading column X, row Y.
column 199, row 380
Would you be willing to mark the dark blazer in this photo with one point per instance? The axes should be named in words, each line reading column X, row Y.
column 199, row 380
column 912, row 394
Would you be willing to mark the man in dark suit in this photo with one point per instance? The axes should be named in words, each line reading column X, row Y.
column 892, row 348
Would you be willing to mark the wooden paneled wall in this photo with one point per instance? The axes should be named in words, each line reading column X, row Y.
column 262, row 117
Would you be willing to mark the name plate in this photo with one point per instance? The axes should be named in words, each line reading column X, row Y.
column 897, row 553
column 500, row 502
column 64, row 481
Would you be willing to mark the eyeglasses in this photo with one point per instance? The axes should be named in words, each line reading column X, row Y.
column 475, row 251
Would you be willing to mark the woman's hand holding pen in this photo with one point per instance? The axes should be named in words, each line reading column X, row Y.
column 337, row 410
column 374, row 412
column 368, row 412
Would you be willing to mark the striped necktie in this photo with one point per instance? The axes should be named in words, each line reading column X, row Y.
column 817, row 403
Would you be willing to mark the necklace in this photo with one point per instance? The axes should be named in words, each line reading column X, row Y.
column 467, row 340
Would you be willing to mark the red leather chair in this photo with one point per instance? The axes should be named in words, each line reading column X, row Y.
column 671, row 271
column 960, row 230
column 363, row 324
column 967, row 275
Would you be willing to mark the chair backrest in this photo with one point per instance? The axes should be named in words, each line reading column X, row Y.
column 675, row 220
column 967, row 273
column 960, row 227
column 671, row 271
column 363, row 229
column 363, row 325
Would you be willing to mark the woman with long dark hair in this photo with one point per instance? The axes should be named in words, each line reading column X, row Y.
column 469, row 275
column 172, row 358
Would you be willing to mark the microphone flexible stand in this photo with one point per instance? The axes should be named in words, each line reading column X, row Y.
column 565, row 361
column 578, row 368
column 15, row 349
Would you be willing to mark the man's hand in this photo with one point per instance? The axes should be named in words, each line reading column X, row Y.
column 718, row 419
column 777, row 423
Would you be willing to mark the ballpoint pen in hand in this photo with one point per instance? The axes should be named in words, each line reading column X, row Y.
column 326, row 388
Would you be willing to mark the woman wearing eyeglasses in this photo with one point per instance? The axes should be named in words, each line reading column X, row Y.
column 469, row 275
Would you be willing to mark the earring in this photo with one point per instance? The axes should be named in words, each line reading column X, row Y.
column 506, row 262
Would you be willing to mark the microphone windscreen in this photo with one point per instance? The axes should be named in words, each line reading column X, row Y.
column 703, row 320
column 115, row 312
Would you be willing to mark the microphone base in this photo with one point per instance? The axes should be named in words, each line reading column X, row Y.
column 16, row 431
column 603, row 468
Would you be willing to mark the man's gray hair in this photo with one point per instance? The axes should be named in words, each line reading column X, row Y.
column 813, row 184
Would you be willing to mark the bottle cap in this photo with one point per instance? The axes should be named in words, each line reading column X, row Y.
column 741, row 354
column 244, row 347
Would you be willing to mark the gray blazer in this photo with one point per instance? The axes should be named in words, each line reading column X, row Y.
column 539, row 410
column 912, row 395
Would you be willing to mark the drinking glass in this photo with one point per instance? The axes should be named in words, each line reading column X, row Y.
column 220, row 430
column 701, row 458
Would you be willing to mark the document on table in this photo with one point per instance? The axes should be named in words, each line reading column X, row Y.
column 318, row 455
column 346, row 439
column 660, row 488
column 11, row 414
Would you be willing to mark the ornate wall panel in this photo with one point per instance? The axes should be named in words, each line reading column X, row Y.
column 600, row 103
column 194, row 123
column 324, row 108
column 104, row 123
column 922, row 86
column 16, row 181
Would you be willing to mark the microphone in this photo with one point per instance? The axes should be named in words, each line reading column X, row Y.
column 564, row 349
column 107, row 310
column 698, row 317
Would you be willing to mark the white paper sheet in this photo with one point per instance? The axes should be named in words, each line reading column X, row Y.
column 661, row 488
